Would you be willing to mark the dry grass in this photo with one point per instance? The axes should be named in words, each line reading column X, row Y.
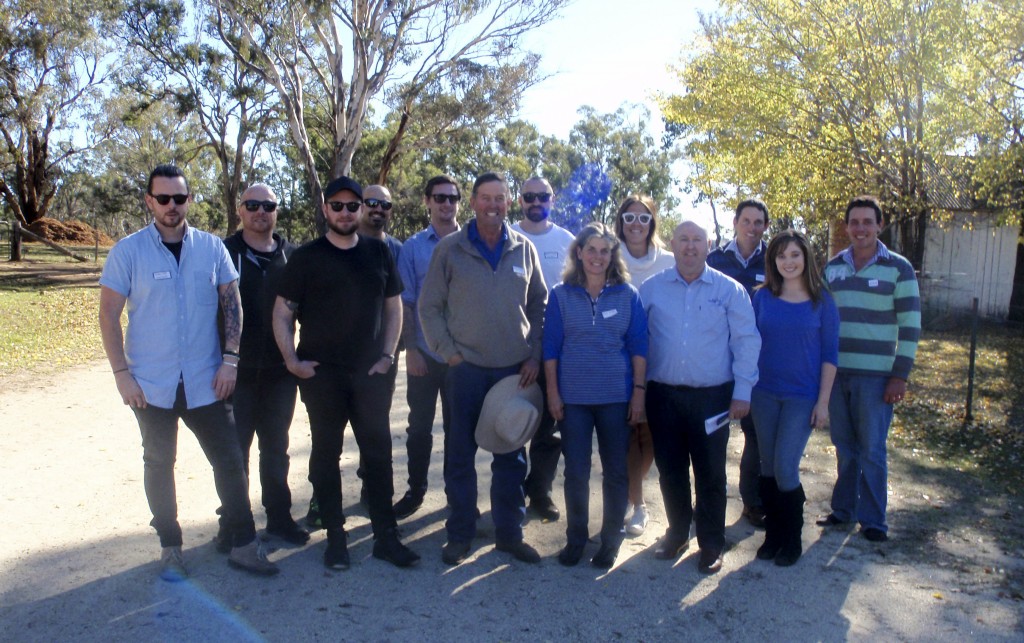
column 932, row 419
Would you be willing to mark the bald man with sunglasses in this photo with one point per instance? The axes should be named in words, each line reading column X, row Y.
column 264, row 399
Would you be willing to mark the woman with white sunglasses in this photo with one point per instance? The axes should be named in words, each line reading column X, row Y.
column 636, row 225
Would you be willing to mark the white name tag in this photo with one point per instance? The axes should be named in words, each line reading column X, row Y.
column 166, row 274
column 609, row 313
column 872, row 283
column 759, row 278
column 519, row 270
column 551, row 254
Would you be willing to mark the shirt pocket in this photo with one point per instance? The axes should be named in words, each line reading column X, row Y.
column 205, row 286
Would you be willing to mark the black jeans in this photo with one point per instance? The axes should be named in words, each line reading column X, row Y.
column 545, row 447
column 750, row 464
column 214, row 428
column 264, row 403
column 334, row 397
column 676, row 415
column 421, row 394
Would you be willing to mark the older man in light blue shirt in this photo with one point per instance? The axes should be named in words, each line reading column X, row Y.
column 701, row 367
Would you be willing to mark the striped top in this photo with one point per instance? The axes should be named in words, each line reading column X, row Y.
column 594, row 341
column 879, row 313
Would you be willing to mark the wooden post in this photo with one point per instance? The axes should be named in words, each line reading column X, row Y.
column 969, row 415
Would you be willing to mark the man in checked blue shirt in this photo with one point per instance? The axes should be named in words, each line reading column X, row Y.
column 168, row 365
column 701, row 366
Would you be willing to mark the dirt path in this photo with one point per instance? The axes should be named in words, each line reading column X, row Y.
column 77, row 555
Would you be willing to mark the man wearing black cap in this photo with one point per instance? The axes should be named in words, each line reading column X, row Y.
column 344, row 290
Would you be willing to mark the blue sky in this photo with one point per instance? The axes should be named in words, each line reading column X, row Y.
column 604, row 53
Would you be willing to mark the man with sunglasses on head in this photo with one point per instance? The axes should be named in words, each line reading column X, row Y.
column 425, row 370
column 552, row 243
column 743, row 260
column 482, row 310
column 169, row 365
column 343, row 289
column 264, row 398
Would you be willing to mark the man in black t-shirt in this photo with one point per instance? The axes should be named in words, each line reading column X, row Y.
column 343, row 288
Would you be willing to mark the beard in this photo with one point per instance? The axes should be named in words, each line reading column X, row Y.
column 342, row 228
column 536, row 214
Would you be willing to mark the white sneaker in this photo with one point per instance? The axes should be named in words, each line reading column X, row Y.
column 172, row 565
column 638, row 522
column 629, row 510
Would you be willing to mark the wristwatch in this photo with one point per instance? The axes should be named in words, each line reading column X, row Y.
column 391, row 358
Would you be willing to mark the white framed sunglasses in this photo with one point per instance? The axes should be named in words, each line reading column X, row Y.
column 629, row 217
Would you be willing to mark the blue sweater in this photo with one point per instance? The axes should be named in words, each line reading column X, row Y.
column 594, row 342
column 750, row 276
column 796, row 339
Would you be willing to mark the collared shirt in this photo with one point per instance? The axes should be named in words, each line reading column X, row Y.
column 492, row 256
column 730, row 262
column 172, row 330
column 881, row 252
column 702, row 333
column 413, row 263
column 734, row 248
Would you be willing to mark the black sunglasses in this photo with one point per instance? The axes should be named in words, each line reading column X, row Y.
column 164, row 199
column 374, row 203
column 351, row 206
column 253, row 205
column 530, row 197
column 450, row 198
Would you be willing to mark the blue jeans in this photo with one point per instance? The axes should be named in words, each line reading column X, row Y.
column 334, row 397
column 783, row 428
column 860, row 421
column 613, row 444
column 676, row 415
column 467, row 386
column 422, row 394
column 264, row 403
column 214, row 428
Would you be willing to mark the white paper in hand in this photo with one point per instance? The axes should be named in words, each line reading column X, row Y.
column 716, row 422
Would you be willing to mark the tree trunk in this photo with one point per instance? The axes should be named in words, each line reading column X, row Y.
column 16, row 241
column 1016, row 312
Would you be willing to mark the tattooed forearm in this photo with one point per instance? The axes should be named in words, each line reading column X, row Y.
column 231, row 307
column 283, row 321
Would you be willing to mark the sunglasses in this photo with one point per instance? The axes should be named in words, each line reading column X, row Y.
column 381, row 203
column 253, row 205
column 164, row 199
column 629, row 217
column 450, row 198
column 351, row 206
column 530, row 197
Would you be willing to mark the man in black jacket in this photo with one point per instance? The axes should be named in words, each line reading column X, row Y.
column 264, row 398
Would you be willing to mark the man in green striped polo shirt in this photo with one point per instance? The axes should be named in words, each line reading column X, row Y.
column 879, row 325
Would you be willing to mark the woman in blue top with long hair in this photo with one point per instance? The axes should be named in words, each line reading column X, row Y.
column 595, row 362
column 799, row 327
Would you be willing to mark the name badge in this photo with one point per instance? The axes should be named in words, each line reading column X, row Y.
column 872, row 283
column 165, row 274
column 519, row 270
column 551, row 254
column 609, row 313
column 759, row 278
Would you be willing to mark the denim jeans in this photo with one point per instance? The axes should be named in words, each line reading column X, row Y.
column 676, row 415
column 545, row 447
column 334, row 397
column 214, row 428
column 467, row 386
column 264, row 403
column 422, row 394
column 860, row 420
column 783, row 428
column 750, row 464
column 612, row 443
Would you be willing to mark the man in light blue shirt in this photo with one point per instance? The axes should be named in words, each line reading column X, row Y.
column 701, row 365
column 425, row 370
column 168, row 365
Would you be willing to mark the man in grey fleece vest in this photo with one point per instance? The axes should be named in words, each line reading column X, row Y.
column 482, row 310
